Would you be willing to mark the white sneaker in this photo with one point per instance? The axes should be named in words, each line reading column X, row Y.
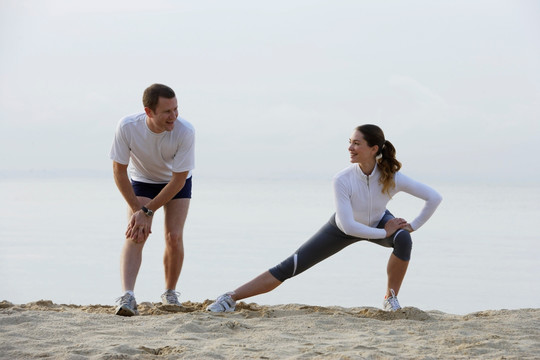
column 170, row 297
column 391, row 303
column 224, row 303
column 126, row 305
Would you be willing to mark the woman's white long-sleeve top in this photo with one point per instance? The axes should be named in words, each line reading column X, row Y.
column 361, row 204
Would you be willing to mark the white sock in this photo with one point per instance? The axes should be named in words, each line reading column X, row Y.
column 130, row 292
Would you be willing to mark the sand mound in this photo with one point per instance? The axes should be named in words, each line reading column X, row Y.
column 43, row 329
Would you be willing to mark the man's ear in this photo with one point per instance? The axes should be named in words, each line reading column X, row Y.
column 148, row 112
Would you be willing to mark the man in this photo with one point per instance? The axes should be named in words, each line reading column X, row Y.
column 153, row 155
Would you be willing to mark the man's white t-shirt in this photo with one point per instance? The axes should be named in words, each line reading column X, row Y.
column 152, row 157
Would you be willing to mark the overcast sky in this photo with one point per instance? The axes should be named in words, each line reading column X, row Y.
column 275, row 88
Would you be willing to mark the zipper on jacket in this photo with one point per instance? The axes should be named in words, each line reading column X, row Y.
column 370, row 200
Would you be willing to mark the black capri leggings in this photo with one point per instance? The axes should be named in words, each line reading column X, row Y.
column 329, row 240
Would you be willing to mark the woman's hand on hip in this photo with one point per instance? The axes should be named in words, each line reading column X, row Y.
column 394, row 225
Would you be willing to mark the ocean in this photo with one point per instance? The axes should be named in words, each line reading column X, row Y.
column 60, row 240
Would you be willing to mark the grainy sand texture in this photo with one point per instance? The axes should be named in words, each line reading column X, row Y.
column 44, row 330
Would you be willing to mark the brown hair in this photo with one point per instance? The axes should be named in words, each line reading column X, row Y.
column 154, row 92
column 387, row 162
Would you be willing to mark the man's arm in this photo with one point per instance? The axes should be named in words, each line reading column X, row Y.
column 140, row 225
column 136, row 231
column 176, row 184
column 123, row 183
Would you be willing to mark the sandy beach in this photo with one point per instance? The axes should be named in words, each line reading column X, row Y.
column 46, row 330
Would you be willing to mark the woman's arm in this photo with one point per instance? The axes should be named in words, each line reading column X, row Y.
column 431, row 197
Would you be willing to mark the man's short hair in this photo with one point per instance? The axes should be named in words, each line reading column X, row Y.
column 154, row 92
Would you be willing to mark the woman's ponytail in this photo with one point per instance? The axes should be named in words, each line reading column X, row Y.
column 388, row 165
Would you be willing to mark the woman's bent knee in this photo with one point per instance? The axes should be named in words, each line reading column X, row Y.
column 403, row 245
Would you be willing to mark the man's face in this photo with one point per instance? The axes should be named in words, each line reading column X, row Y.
column 163, row 118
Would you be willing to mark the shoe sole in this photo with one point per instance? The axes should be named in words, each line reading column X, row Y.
column 170, row 304
column 220, row 310
column 124, row 311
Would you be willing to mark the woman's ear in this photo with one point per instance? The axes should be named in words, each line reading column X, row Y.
column 375, row 149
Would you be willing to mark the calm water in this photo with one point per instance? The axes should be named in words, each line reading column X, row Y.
column 60, row 239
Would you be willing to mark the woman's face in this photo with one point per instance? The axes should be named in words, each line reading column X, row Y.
column 359, row 150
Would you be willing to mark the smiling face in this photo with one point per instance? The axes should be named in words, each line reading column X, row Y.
column 360, row 152
column 164, row 117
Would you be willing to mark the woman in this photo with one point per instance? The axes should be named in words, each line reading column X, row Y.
column 361, row 193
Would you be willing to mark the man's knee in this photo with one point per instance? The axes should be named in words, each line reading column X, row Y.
column 131, row 245
column 174, row 240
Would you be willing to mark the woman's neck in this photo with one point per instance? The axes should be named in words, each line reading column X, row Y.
column 367, row 168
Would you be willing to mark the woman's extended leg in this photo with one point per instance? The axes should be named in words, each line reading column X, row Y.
column 261, row 284
column 326, row 242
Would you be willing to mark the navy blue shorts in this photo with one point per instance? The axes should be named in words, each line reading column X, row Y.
column 151, row 190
